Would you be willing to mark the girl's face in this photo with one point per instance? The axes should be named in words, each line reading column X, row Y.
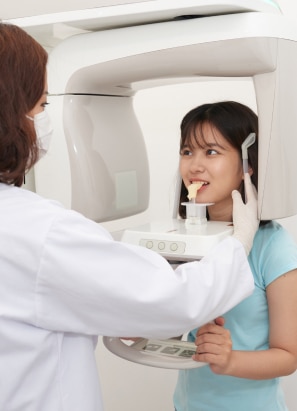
column 219, row 166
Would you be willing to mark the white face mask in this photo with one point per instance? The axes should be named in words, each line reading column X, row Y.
column 44, row 130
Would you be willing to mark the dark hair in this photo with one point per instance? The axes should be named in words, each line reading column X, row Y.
column 233, row 120
column 22, row 80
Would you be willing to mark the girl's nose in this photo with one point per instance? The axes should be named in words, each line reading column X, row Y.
column 197, row 163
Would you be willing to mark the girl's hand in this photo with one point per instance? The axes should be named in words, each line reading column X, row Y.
column 214, row 346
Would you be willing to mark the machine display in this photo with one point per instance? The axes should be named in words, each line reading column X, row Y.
column 171, row 354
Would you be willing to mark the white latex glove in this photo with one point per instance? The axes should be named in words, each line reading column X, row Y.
column 245, row 218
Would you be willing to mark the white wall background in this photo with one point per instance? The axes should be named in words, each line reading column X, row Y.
column 128, row 386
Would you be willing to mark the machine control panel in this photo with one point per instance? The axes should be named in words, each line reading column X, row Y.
column 165, row 246
column 177, row 242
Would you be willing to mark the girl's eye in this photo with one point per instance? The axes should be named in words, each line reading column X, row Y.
column 186, row 152
column 44, row 104
column 211, row 152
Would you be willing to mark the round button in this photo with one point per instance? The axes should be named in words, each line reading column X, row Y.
column 161, row 245
column 173, row 246
column 149, row 244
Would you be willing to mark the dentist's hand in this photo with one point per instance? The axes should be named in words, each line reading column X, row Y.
column 245, row 219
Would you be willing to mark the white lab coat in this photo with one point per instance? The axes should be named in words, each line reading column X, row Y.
column 64, row 281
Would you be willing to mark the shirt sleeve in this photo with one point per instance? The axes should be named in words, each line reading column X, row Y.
column 275, row 254
column 90, row 284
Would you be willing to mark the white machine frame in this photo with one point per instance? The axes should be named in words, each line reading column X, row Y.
column 115, row 64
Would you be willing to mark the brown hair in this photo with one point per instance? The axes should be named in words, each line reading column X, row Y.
column 22, row 80
column 233, row 120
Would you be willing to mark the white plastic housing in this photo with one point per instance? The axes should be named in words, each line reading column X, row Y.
column 116, row 63
column 177, row 241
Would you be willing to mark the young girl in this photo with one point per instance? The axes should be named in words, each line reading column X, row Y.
column 255, row 343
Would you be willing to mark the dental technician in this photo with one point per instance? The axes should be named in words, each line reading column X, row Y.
column 64, row 280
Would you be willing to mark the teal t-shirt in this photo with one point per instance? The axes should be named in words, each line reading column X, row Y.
column 273, row 254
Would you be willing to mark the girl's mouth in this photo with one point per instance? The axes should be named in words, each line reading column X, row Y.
column 194, row 187
column 200, row 183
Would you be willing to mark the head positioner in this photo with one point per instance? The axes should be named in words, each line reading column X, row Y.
column 251, row 138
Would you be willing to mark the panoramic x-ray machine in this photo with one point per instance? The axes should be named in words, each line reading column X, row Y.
column 98, row 155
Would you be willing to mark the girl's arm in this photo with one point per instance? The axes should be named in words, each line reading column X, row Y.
column 214, row 344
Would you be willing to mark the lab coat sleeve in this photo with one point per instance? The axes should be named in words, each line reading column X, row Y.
column 90, row 284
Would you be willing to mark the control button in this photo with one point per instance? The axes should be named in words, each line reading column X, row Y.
column 161, row 245
column 149, row 244
column 173, row 246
